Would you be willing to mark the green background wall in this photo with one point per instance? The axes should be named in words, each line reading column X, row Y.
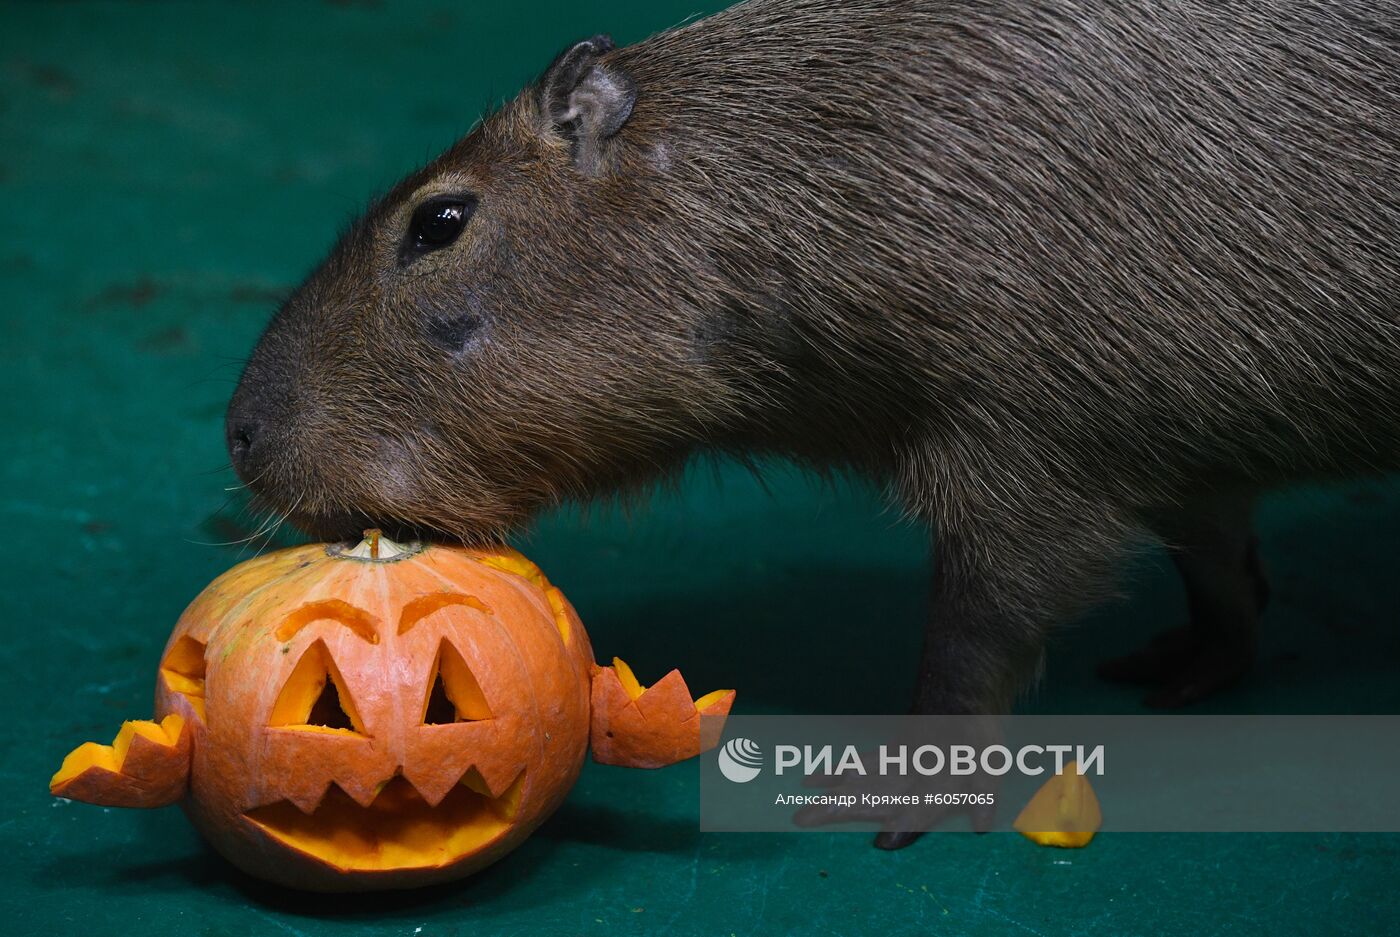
column 167, row 171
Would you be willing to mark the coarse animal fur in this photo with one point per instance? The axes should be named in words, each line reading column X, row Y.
column 1054, row 273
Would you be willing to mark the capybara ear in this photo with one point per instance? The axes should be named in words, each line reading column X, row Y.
column 585, row 99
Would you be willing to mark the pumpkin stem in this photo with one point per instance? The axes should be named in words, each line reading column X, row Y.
column 379, row 548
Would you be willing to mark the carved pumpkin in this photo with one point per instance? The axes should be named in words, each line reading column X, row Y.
column 382, row 716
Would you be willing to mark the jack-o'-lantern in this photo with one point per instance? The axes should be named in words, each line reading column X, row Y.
column 381, row 716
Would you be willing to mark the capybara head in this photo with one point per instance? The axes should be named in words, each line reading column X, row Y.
column 523, row 321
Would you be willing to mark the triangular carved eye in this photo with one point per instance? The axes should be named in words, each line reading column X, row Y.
column 453, row 693
column 315, row 697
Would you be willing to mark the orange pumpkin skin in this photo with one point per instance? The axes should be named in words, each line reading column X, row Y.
column 400, row 802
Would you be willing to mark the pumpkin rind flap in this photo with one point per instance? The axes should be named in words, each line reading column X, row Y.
column 668, row 698
column 147, row 765
column 713, row 715
column 660, row 726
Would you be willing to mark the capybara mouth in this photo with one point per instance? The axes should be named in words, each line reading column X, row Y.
column 397, row 830
column 349, row 526
column 333, row 526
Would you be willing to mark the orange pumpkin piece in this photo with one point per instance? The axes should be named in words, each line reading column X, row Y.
column 147, row 765
column 649, row 727
column 381, row 716
column 1064, row 812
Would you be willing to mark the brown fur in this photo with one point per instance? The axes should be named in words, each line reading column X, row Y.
column 1051, row 272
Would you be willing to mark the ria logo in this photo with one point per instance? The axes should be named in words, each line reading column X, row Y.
column 740, row 760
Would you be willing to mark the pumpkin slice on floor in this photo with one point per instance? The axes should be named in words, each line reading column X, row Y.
column 1064, row 812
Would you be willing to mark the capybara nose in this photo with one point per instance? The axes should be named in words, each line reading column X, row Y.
column 241, row 437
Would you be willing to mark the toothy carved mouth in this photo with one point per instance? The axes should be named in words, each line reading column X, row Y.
column 398, row 830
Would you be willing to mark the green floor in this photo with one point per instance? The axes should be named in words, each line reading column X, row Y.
column 166, row 172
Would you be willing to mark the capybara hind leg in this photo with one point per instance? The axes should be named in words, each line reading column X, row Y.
column 1215, row 551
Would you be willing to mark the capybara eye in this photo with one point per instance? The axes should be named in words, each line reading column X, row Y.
column 436, row 223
